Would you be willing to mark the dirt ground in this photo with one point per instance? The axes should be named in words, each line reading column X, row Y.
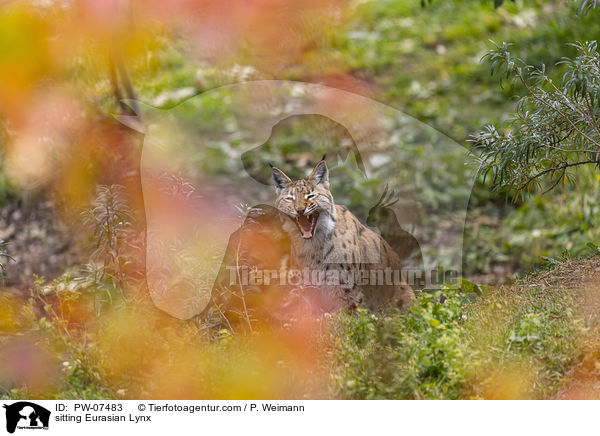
column 38, row 240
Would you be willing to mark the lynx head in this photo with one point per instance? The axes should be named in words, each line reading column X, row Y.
column 307, row 203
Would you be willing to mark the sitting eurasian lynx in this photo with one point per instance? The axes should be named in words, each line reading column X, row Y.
column 326, row 238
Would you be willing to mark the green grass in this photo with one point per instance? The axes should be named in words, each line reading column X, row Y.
column 413, row 355
column 521, row 341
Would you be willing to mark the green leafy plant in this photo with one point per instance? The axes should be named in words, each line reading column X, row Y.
column 585, row 6
column 412, row 355
column 111, row 219
column 556, row 127
column 102, row 285
column 527, row 333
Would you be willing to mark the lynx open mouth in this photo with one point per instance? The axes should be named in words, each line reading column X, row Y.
column 306, row 224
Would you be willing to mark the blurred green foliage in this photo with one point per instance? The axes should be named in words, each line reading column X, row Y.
column 427, row 63
column 423, row 61
column 544, row 226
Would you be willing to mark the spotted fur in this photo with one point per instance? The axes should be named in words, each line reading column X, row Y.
column 338, row 240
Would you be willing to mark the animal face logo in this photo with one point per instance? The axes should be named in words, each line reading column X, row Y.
column 24, row 414
column 290, row 123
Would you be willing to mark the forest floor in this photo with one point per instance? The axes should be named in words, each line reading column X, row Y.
column 538, row 338
column 38, row 240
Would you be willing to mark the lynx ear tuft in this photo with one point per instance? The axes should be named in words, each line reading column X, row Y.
column 280, row 179
column 324, row 156
column 271, row 165
column 320, row 175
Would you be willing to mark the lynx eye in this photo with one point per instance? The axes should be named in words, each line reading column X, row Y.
column 289, row 198
column 310, row 196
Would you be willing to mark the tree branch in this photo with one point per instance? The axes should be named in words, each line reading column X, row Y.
column 560, row 167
